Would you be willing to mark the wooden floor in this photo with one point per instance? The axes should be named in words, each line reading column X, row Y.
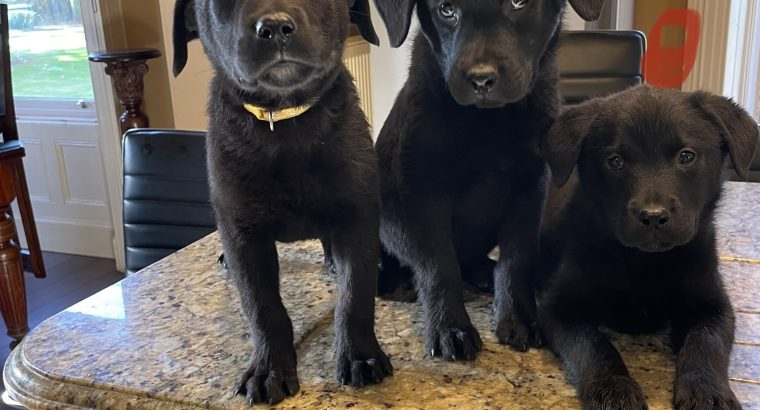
column 69, row 280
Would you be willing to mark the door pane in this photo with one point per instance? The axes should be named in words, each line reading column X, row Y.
column 48, row 50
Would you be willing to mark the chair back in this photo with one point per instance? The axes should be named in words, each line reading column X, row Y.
column 166, row 194
column 599, row 63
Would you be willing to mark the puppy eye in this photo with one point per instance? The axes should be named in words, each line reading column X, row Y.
column 615, row 163
column 447, row 10
column 519, row 4
column 686, row 157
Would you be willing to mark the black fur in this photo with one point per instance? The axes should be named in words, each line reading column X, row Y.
column 314, row 176
column 633, row 248
column 459, row 160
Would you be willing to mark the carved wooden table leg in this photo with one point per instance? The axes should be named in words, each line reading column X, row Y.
column 127, row 69
column 33, row 255
column 12, row 288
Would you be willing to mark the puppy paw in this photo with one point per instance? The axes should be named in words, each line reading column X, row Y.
column 269, row 381
column 701, row 395
column 358, row 368
column 453, row 342
column 613, row 393
column 519, row 336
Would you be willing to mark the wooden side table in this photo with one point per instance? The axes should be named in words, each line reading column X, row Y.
column 127, row 69
column 12, row 286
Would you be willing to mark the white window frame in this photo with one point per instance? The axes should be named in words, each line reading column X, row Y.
column 35, row 108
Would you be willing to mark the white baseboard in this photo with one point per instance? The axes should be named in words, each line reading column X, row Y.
column 74, row 238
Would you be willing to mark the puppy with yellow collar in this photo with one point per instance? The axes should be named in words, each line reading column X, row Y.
column 290, row 157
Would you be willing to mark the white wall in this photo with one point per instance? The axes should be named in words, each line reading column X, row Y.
column 390, row 66
column 573, row 21
column 625, row 15
column 389, row 72
column 189, row 91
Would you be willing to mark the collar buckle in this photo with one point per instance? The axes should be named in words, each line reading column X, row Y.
column 273, row 116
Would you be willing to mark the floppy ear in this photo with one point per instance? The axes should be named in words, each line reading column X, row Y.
column 185, row 30
column 590, row 10
column 561, row 147
column 737, row 128
column 360, row 15
column 397, row 15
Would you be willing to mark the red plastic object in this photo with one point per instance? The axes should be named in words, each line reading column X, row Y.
column 668, row 67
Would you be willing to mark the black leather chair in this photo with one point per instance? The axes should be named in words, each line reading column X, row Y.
column 599, row 63
column 166, row 196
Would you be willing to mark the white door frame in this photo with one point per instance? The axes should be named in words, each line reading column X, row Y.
column 94, row 13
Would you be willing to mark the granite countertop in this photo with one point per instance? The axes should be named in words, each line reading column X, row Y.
column 174, row 336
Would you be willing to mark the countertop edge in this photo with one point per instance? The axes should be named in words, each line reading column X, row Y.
column 34, row 390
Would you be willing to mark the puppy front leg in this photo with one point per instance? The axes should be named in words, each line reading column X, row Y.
column 514, row 288
column 593, row 364
column 703, row 343
column 514, row 275
column 272, row 374
column 359, row 358
column 429, row 249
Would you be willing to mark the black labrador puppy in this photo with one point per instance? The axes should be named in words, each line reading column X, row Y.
column 290, row 158
column 632, row 235
column 460, row 168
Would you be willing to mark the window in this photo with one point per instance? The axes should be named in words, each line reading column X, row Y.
column 48, row 50
column 742, row 65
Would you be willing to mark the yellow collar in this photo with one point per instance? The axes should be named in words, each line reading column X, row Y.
column 273, row 116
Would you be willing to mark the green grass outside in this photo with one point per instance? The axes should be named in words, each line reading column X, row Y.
column 52, row 74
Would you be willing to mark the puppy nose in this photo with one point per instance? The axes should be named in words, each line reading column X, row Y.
column 483, row 78
column 654, row 217
column 276, row 26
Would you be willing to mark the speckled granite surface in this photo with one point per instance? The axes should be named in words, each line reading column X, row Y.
column 739, row 220
column 173, row 336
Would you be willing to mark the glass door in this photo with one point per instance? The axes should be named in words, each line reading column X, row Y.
column 58, row 124
column 51, row 73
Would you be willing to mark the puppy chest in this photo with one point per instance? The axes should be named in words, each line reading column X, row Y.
column 631, row 304
column 488, row 191
column 631, row 315
column 309, row 198
column 483, row 204
column 293, row 206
